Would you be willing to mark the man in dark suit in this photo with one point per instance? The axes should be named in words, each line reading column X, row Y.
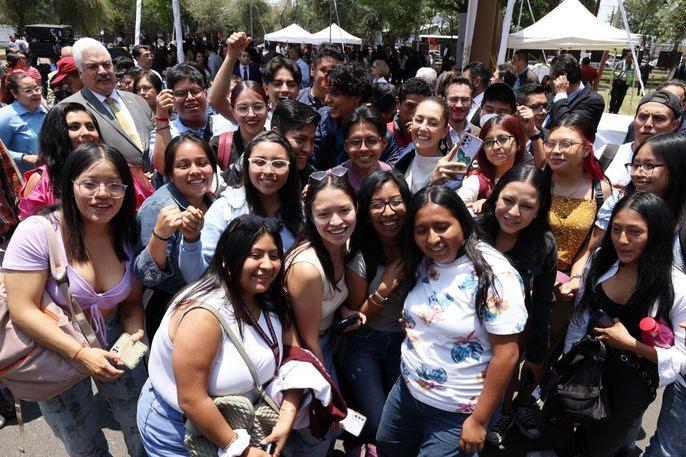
column 125, row 119
column 247, row 70
column 570, row 95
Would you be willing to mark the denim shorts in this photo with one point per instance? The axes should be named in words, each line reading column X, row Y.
column 160, row 425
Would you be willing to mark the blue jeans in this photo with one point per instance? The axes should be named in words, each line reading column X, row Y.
column 668, row 440
column 161, row 426
column 411, row 428
column 372, row 365
column 73, row 415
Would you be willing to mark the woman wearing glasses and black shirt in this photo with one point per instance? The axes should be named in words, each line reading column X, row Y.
column 270, row 188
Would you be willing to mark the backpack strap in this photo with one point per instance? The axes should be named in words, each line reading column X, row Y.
column 608, row 156
column 239, row 347
column 484, row 186
column 224, row 152
column 58, row 270
column 370, row 267
column 598, row 194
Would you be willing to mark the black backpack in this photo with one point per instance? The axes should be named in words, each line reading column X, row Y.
column 578, row 394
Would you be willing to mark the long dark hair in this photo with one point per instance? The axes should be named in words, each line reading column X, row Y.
column 226, row 267
column 123, row 224
column 441, row 195
column 54, row 144
column 539, row 226
column 654, row 266
column 669, row 147
column 289, row 194
column 364, row 238
column 309, row 233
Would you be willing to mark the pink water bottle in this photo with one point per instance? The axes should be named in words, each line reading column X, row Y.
column 656, row 334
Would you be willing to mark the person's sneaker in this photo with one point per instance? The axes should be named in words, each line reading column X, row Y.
column 528, row 419
column 496, row 435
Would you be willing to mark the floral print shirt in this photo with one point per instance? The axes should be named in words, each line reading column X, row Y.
column 446, row 351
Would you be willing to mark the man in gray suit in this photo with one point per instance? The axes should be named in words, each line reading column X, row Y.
column 125, row 119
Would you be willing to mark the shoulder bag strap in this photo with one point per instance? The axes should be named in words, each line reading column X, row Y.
column 224, row 153
column 608, row 156
column 239, row 347
column 58, row 270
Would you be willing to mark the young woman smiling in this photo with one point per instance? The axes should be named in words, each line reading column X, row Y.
column 504, row 146
column 192, row 359
column 462, row 314
column 630, row 276
column 96, row 225
column 372, row 355
column 315, row 278
column 429, row 126
column 515, row 221
column 174, row 212
column 364, row 131
column 270, row 188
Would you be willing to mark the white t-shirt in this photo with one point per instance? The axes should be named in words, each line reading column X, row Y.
column 419, row 171
column 616, row 172
column 446, row 351
column 230, row 374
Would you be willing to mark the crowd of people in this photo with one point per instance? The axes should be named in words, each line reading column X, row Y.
column 307, row 228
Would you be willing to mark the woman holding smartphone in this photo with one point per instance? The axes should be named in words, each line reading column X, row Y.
column 630, row 276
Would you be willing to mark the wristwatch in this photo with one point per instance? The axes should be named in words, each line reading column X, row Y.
column 536, row 136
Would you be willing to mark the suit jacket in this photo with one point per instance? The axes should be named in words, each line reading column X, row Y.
column 254, row 73
column 111, row 132
column 527, row 77
column 587, row 103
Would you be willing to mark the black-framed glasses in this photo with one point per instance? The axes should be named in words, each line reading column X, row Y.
column 338, row 171
column 647, row 168
column 183, row 94
column 91, row 188
column 372, row 142
column 502, row 140
column 563, row 146
column 379, row 206
column 538, row 107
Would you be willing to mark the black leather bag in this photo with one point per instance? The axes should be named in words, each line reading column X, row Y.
column 578, row 395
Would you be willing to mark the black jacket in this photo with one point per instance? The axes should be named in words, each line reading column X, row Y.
column 587, row 103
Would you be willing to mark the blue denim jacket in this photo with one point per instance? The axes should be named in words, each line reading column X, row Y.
column 194, row 258
column 145, row 268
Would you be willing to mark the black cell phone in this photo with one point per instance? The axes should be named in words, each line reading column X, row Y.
column 601, row 319
column 344, row 323
column 270, row 448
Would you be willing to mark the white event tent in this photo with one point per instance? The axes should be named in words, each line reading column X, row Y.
column 571, row 26
column 291, row 34
column 335, row 34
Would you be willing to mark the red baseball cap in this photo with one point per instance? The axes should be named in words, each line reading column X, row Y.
column 65, row 67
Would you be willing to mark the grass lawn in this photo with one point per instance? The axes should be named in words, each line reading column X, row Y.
column 630, row 103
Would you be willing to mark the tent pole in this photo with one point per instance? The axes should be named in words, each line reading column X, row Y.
column 137, row 33
column 507, row 21
column 531, row 11
column 637, row 71
column 338, row 21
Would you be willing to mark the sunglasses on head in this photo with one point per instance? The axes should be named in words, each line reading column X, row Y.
column 339, row 171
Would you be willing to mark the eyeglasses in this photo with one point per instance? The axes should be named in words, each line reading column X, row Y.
column 379, row 206
column 502, row 140
column 30, row 90
column 183, row 94
column 538, row 107
column 563, row 146
column 647, row 168
column 91, row 189
column 257, row 108
column 338, row 171
column 372, row 142
column 278, row 165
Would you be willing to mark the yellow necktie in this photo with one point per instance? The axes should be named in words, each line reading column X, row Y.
column 124, row 122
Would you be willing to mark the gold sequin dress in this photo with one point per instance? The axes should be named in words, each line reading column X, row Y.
column 571, row 219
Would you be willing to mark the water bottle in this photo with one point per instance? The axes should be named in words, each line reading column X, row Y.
column 657, row 334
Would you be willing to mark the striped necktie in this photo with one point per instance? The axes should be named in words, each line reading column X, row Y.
column 124, row 122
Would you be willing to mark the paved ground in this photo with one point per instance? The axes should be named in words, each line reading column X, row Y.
column 41, row 442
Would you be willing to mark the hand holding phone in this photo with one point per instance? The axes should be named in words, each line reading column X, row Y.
column 600, row 319
column 344, row 323
column 129, row 352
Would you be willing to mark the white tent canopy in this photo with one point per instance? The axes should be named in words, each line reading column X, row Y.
column 335, row 34
column 291, row 34
column 571, row 26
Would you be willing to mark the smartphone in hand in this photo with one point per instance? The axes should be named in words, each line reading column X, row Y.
column 130, row 352
column 344, row 323
column 600, row 319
